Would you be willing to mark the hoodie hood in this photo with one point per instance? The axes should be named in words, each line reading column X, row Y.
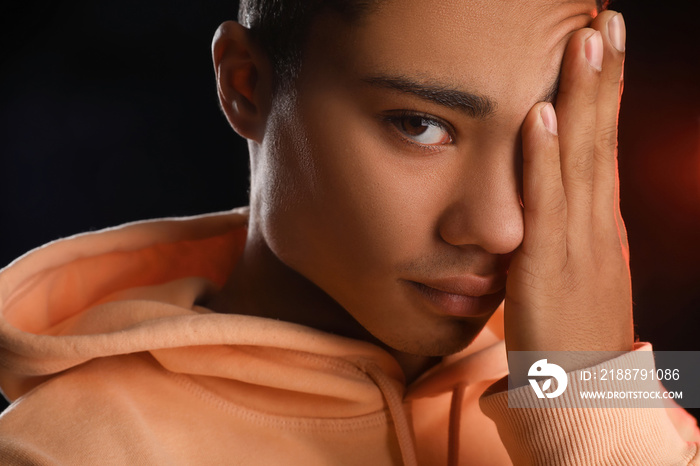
column 133, row 289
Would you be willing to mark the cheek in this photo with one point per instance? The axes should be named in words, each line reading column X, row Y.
column 369, row 196
column 351, row 208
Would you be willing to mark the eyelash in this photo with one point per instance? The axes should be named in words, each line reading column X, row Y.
column 396, row 118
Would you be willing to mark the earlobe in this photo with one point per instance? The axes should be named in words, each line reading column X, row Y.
column 242, row 79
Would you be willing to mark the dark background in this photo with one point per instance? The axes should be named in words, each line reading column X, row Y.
column 108, row 114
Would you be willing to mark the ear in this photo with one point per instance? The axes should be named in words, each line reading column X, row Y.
column 243, row 80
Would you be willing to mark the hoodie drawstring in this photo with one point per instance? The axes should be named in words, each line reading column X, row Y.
column 398, row 414
column 403, row 430
column 455, row 420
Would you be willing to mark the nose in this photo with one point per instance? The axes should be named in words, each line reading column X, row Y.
column 484, row 207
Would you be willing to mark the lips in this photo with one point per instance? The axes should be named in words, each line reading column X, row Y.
column 464, row 296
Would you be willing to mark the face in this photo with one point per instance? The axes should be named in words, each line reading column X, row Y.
column 389, row 176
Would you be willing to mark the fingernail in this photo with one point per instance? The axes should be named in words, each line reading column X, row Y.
column 594, row 50
column 549, row 118
column 617, row 32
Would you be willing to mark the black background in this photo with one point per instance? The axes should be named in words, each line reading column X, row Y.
column 108, row 114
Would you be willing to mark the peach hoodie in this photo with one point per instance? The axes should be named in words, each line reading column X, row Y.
column 109, row 361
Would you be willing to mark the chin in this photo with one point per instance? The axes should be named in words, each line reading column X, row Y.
column 447, row 340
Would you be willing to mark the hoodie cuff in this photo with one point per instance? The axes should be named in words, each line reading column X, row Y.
column 620, row 434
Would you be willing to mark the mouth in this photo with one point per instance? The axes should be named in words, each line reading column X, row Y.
column 464, row 296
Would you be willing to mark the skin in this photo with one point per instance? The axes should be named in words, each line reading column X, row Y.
column 353, row 201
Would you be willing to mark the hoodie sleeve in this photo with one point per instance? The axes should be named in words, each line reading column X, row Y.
column 595, row 436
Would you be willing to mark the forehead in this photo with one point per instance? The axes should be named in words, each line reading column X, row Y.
column 497, row 48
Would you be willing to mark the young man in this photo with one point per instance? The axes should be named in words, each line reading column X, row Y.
column 409, row 174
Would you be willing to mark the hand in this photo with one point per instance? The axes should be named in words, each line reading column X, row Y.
column 568, row 286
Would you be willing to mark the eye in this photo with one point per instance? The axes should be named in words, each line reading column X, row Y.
column 421, row 129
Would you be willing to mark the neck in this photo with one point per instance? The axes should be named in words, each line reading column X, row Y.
column 262, row 285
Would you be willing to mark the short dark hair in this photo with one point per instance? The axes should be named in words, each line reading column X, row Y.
column 281, row 27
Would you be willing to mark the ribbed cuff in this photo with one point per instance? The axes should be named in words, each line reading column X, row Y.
column 560, row 435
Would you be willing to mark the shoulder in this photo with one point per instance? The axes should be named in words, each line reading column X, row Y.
column 91, row 414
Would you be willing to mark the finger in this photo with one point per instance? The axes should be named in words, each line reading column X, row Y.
column 605, row 178
column 544, row 201
column 621, row 228
column 576, row 110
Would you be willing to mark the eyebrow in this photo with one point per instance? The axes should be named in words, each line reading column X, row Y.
column 475, row 105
